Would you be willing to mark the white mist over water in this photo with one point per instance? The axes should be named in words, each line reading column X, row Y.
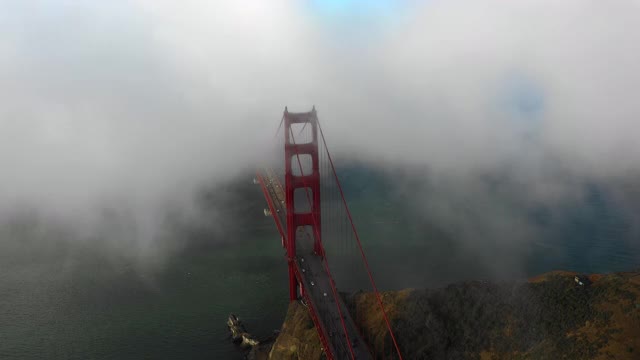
column 133, row 107
column 494, row 120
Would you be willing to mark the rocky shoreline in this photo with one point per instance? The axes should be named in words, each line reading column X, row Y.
column 253, row 348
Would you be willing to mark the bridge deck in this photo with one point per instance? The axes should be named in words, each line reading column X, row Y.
column 317, row 285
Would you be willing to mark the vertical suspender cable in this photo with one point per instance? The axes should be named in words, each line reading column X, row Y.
column 364, row 258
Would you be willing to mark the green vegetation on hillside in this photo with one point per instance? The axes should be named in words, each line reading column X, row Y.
column 549, row 317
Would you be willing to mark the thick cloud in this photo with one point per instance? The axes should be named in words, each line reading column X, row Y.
column 138, row 104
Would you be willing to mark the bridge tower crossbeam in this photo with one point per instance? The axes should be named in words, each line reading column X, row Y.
column 310, row 183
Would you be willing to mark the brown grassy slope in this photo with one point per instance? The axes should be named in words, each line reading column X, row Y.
column 365, row 310
column 620, row 336
column 549, row 317
column 298, row 338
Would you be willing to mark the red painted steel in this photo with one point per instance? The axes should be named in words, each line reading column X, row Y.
column 311, row 218
column 292, row 182
column 318, row 324
column 290, row 139
column 303, row 294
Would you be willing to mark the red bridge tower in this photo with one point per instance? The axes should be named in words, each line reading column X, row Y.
column 307, row 222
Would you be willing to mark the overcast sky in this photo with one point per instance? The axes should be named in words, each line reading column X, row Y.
column 142, row 102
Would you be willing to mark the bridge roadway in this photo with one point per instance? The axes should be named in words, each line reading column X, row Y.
column 316, row 283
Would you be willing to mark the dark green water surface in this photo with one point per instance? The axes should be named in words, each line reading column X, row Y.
column 80, row 305
column 61, row 300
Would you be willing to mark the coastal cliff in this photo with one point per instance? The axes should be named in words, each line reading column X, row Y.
column 298, row 337
column 550, row 316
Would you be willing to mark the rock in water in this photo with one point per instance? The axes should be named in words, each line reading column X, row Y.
column 239, row 334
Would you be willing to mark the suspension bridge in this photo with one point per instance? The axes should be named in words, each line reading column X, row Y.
column 313, row 219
